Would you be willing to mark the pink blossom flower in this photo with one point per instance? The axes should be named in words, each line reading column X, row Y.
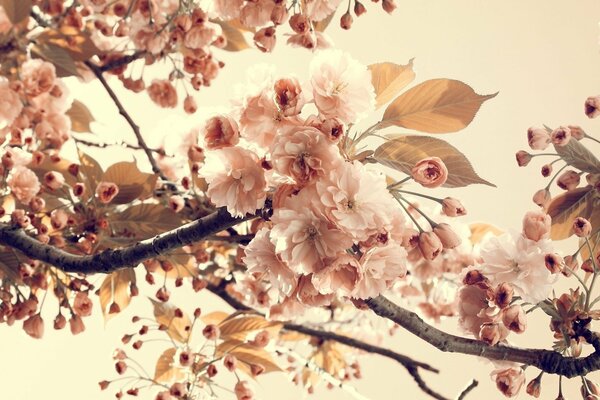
column 381, row 266
column 38, row 77
column 163, row 93
column 307, row 294
column 34, row 326
column 10, row 103
column 288, row 96
column 339, row 276
column 256, row 13
column 538, row 138
column 235, row 180
column 54, row 180
column 220, row 131
column 355, row 199
column 261, row 259
column 24, row 184
column 472, row 303
column 430, row 172
column 303, row 238
column 517, row 260
column 341, row 86
column 509, row 381
column 536, row 225
column 199, row 36
column 317, row 10
column 228, row 9
column 243, row 391
column 106, row 191
column 592, row 106
column 304, row 154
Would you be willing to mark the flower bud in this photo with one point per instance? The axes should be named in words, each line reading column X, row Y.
column 592, row 106
column 542, row 197
column 523, row 158
column 503, row 295
column 536, row 225
column 568, row 180
column 514, row 318
column 447, row 236
column 430, row 245
column 546, row 170
column 535, row 386
column 582, row 227
column 538, row 138
column 265, row 39
column 359, row 8
column 346, row 20
column 389, row 6
column 490, row 333
column 561, row 136
column 554, row 263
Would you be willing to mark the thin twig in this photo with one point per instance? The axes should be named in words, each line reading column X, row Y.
column 89, row 143
column 468, row 389
column 136, row 129
column 119, row 62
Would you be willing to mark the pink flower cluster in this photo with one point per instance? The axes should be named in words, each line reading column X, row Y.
column 335, row 228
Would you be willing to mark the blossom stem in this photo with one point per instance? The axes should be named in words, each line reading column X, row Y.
column 591, row 138
column 594, row 276
column 437, row 200
column 408, row 213
column 429, row 220
column 400, row 182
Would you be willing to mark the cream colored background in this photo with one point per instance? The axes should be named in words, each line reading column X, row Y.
column 541, row 55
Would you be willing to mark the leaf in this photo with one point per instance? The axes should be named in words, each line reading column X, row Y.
column 594, row 239
column 435, row 106
column 404, row 151
column 214, row 318
column 235, row 38
column 566, row 207
column 480, row 229
column 9, row 265
column 132, row 183
column 388, row 79
column 61, row 166
column 321, row 25
column 142, row 221
column 184, row 265
column 59, row 57
column 577, row 155
column 166, row 371
column 247, row 355
column 91, row 171
column 80, row 116
column 115, row 288
column 16, row 10
column 179, row 329
column 77, row 44
column 239, row 328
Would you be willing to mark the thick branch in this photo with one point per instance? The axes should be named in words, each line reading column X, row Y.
column 546, row 360
column 118, row 62
column 111, row 260
column 136, row 129
column 412, row 366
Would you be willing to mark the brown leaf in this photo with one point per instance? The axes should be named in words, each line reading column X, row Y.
column 389, row 79
column 404, row 151
column 235, row 38
column 9, row 264
column 142, row 221
column 214, row 318
column 577, row 155
column 480, row 229
column 61, row 166
column 115, row 288
column 133, row 184
column 59, row 57
column 16, row 10
column 166, row 370
column 179, row 328
column 247, row 355
column 239, row 328
column 321, row 25
column 435, row 106
column 91, row 171
column 77, row 44
column 80, row 116
column 184, row 265
column 566, row 207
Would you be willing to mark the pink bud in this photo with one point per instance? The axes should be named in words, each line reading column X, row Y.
column 60, row 322
column 34, row 326
column 76, row 324
column 447, row 236
column 430, row 245
column 299, row 23
column 176, row 203
column 389, row 6
column 346, row 20
column 554, row 263
column 359, row 8
column 265, row 39
column 592, row 106
column 542, row 197
column 568, row 180
column 230, row 362
column 538, row 138
column 430, row 172
column 561, row 136
column 178, row 390
column 189, row 105
column 453, row 207
column 582, row 227
column 503, row 295
column 577, row 132
column 536, row 225
column 514, row 318
column 53, row 180
column 546, row 170
column 211, row 332
column 523, row 158
column 163, row 294
column 242, row 391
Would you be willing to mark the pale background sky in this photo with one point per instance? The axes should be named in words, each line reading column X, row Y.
column 541, row 55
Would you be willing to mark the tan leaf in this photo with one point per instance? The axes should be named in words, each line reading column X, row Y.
column 166, row 370
column 291, row 336
column 566, row 207
column 247, row 355
column 142, row 221
column 321, row 25
column 91, row 171
column 577, row 155
column 241, row 327
column 77, row 44
column 9, row 264
column 435, row 106
column 184, row 265
column 133, row 184
column 389, row 79
column 404, row 151
column 59, row 57
column 480, row 229
column 235, row 38
column 115, row 288
column 16, row 10
column 179, row 329
column 80, row 116
column 329, row 357
column 214, row 318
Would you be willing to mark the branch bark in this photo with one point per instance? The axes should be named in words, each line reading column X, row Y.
column 136, row 129
column 111, row 260
column 548, row 361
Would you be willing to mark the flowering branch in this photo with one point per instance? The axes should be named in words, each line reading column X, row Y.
column 111, row 260
column 136, row 129
column 548, row 361
column 119, row 62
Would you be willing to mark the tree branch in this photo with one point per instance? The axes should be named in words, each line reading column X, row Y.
column 412, row 366
column 111, row 260
column 104, row 145
column 468, row 389
column 136, row 129
column 548, row 361
column 119, row 62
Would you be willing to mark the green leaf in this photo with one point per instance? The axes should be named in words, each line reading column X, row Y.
column 577, row 155
column 404, row 151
